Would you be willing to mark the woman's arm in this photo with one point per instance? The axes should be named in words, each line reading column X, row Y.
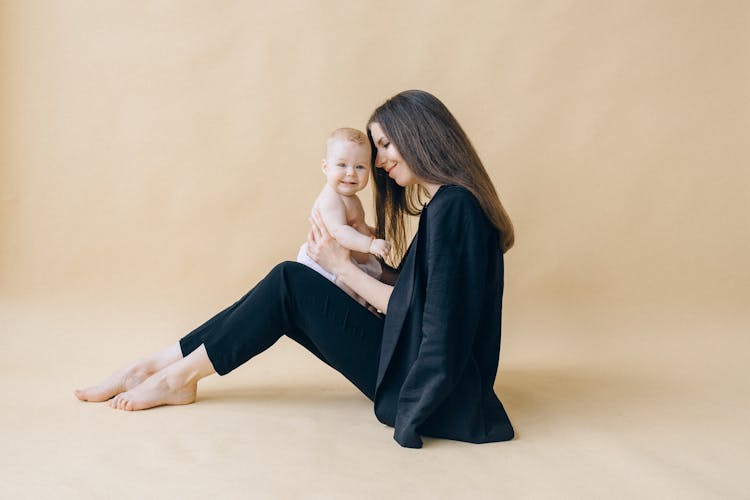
column 373, row 291
column 333, row 257
column 390, row 275
column 457, row 260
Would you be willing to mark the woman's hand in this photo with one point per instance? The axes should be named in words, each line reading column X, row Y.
column 323, row 248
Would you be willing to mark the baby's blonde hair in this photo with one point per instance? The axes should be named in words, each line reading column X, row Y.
column 347, row 134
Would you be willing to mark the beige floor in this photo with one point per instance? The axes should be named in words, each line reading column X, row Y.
column 657, row 408
column 157, row 157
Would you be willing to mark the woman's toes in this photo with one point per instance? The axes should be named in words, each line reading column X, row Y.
column 88, row 394
column 101, row 392
column 84, row 394
column 122, row 380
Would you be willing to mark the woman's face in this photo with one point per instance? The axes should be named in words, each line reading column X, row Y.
column 388, row 158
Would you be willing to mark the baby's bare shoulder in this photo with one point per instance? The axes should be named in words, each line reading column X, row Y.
column 331, row 207
column 329, row 199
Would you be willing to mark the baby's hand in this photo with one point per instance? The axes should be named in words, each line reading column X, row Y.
column 381, row 248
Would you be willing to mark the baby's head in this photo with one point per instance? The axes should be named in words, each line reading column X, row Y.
column 348, row 161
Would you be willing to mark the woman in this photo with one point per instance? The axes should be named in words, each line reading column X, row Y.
column 430, row 364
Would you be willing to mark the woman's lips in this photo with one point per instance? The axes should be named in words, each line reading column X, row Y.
column 388, row 171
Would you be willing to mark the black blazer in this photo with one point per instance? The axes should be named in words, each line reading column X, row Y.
column 441, row 339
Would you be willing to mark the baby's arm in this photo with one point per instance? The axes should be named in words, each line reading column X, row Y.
column 361, row 227
column 333, row 212
column 360, row 224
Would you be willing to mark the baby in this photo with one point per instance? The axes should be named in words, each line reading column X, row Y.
column 347, row 170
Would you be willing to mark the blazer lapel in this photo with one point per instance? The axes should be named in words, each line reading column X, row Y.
column 398, row 306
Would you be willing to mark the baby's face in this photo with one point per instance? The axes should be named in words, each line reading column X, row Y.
column 347, row 166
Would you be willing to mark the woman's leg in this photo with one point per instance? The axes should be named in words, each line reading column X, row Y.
column 133, row 374
column 130, row 376
column 293, row 300
column 175, row 384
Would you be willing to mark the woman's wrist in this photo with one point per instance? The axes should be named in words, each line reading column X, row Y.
column 344, row 270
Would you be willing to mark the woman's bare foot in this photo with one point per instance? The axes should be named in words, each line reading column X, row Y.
column 120, row 381
column 131, row 376
column 177, row 384
column 162, row 388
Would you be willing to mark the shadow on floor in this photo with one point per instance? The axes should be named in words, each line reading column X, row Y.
column 533, row 397
column 314, row 394
column 550, row 396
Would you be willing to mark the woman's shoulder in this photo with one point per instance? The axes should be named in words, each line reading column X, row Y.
column 451, row 196
column 454, row 214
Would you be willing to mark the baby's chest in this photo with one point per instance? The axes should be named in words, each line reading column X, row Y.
column 354, row 213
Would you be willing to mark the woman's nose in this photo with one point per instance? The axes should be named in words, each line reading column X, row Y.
column 379, row 160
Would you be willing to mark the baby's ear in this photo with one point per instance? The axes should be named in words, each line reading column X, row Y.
column 324, row 165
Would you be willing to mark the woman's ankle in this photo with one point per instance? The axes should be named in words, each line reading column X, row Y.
column 192, row 368
column 161, row 359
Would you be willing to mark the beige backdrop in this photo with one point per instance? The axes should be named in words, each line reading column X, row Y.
column 157, row 158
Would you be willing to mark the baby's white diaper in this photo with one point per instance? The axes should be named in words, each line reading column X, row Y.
column 371, row 267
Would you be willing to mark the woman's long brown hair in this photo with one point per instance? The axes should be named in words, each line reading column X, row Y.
column 438, row 151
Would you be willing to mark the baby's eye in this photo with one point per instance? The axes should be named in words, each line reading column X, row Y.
column 360, row 167
column 342, row 165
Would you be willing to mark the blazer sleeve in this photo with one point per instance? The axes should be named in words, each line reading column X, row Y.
column 456, row 266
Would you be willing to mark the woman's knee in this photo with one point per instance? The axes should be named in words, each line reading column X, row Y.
column 287, row 274
column 283, row 270
column 297, row 280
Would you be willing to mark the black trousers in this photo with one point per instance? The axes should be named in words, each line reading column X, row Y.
column 295, row 301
